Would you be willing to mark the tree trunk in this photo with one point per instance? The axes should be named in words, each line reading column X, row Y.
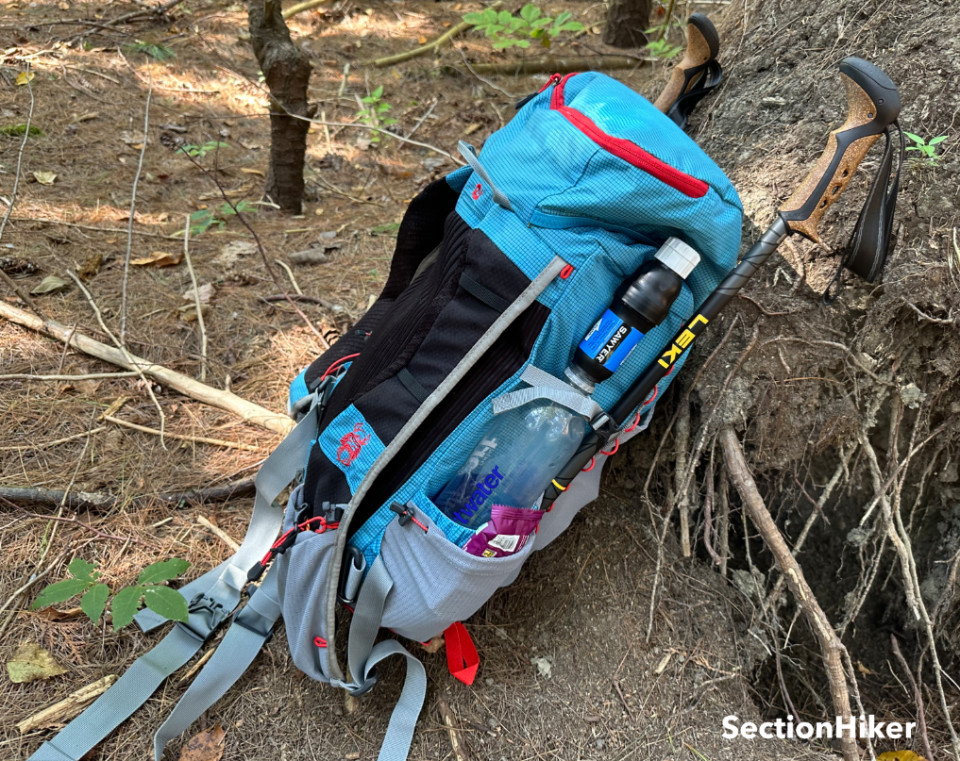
column 626, row 22
column 287, row 73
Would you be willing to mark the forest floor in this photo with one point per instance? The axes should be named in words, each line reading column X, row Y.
column 577, row 662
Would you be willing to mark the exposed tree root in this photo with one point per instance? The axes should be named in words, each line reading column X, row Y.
column 831, row 648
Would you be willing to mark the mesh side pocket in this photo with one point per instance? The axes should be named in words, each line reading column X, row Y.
column 304, row 573
column 436, row 582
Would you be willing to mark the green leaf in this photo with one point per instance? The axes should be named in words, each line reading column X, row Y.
column 164, row 570
column 915, row 138
column 505, row 17
column 62, row 590
column 82, row 569
column 19, row 130
column 529, row 12
column 563, row 17
column 124, row 606
column 572, row 26
column 166, row 602
column 542, row 23
column 94, row 601
column 377, row 93
column 913, row 148
column 473, row 18
column 937, row 140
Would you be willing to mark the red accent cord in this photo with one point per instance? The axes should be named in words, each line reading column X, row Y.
column 319, row 642
column 566, row 272
column 616, row 448
column 338, row 362
column 634, row 424
column 591, row 466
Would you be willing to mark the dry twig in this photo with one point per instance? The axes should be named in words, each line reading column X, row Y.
column 248, row 411
column 219, row 532
column 917, row 695
column 184, row 437
column 123, row 349
column 23, row 144
column 448, row 722
column 133, row 208
column 67, row 708
column 196, row 301
column 433, row 46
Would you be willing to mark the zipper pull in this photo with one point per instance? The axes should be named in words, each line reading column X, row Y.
column 406, row 514
column 554, row 81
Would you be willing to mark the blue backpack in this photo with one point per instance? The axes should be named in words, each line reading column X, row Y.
column 499, row 270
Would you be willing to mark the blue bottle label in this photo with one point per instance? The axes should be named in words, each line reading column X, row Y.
column 610, row 341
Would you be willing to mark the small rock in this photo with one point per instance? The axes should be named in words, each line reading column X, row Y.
column 544, row 667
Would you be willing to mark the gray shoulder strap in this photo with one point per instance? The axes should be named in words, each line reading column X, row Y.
column 363, row 656
column 251, row 628
column 211, row 598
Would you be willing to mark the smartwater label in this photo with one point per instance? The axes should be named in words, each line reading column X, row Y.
column 610, row 341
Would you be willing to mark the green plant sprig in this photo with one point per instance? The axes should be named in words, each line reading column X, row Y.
column 203, row 219
column 374, row 113
column 928, row 150
column 506, row 30
column 150, row 590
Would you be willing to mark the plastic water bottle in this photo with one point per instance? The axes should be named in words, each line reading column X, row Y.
column 524, row 448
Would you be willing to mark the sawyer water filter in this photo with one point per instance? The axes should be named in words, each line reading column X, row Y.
column 643, row 305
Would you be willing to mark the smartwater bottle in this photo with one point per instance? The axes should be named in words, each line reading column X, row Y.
column 524, row 448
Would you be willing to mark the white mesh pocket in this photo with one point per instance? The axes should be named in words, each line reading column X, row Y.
column 304, row 573
column 435, row 582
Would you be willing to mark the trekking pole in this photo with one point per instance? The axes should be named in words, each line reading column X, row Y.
column 696, row 75
column 873, row 103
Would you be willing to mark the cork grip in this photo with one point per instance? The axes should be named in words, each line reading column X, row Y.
column 703, row 43
column 872, row 104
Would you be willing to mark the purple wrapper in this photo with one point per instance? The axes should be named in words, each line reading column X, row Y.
column 505, row 533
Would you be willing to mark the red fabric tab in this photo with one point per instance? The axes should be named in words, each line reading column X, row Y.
column 462, row 658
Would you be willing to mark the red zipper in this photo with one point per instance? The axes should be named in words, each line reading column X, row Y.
column 630, row 152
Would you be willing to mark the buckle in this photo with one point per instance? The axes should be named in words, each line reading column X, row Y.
column 211, row 614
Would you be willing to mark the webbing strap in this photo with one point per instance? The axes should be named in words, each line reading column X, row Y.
column 470, row 154
column 367, row 616
column 246, row 636
column 212, row 597
column 403, row 720
column 545, row 386
column 363, row 656
column 122, row 699
column 277, row 472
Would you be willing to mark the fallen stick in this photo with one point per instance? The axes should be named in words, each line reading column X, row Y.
column 433, row 46
column 222, row 535
column 67, row 708
column 246, row 410
column 293, row 10
column 99, row 501
column 552, row 65
column 831, row 648
column 24, row 495
column 184, row 437
column 451, row 730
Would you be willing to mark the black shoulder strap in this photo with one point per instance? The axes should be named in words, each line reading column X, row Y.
column 870, row 241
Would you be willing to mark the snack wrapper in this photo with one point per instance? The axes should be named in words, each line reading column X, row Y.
column 507, row 531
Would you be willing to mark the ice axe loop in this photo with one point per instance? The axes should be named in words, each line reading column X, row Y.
column 873, row 105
